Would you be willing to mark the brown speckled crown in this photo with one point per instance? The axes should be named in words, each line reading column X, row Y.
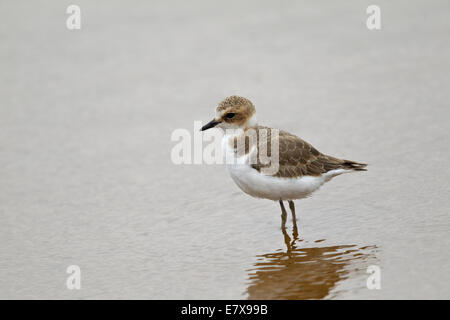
column 234, row 102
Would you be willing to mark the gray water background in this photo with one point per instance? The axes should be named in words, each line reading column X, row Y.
column 86, row 176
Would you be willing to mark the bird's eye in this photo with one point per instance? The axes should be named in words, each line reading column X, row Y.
column 230, row 115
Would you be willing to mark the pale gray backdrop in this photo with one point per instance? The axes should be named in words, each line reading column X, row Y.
column 86, row 176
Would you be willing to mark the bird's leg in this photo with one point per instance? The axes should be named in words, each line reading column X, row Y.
column 294, row 219
column 283, row 215
column 292, row 207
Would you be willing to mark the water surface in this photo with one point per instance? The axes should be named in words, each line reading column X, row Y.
column 86, row 176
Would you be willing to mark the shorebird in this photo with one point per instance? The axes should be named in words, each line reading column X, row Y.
column 301, row 168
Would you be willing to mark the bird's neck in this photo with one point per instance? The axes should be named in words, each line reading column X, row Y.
column 252, row 122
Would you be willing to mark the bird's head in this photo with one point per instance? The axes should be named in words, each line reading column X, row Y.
column 233, row 113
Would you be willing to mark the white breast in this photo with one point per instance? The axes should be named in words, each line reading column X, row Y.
column 269, row 187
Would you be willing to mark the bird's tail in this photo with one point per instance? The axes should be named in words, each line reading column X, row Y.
column 352, row 165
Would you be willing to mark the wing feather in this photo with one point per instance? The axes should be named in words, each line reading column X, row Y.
column 298, row 158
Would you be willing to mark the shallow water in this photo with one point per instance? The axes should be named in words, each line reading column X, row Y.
column 86, row 175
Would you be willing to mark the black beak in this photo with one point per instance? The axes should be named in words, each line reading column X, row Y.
column 210, row 125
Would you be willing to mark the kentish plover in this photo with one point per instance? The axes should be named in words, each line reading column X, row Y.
column 300, row 170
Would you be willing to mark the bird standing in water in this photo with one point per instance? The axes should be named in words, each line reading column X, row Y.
column 299, row 170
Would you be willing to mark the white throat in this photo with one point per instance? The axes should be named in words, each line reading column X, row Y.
column 252, row 122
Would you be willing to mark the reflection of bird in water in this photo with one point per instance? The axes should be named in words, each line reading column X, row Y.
column 303, row 273
column 295, row 170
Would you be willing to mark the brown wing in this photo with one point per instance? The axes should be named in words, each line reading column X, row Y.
column 298, row 158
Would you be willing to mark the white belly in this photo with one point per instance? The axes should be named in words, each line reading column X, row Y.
column 264, row 186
